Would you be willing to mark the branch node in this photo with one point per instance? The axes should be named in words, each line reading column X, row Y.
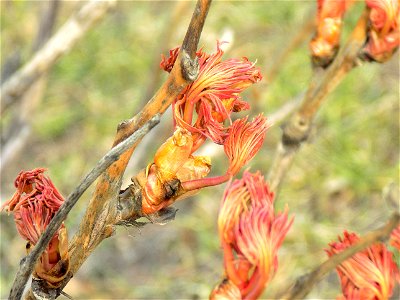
column 123, row 124
column 171, row 188
column 296, row 131
column 190, row 67
column 129, row 204
column 41, row 290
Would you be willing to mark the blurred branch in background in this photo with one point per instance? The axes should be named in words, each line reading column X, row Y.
column 65, row 38
column 10, row 65
column 275, row 66
column 295, row 41
column 297, row 129
column 305, row 283
column 46, row 25
column 15, row 136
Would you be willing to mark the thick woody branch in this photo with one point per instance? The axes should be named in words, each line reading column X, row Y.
column 28, row 263
column 297, row 129
column 99, row 220
column 66, row 37
column 305, row 283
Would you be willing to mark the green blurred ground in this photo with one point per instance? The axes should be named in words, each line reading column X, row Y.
column 335, row 182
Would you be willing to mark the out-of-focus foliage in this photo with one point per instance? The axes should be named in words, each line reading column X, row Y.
column 335, row 182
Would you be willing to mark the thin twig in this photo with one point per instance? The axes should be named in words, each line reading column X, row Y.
column 66, row 37
column 305, row 283
column 27, row 264
column 297, row 130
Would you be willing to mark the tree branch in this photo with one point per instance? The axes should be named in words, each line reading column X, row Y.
column 99, row 220
column 304, row 283
column 66, row 37
column 28, row 263
column 297, row 129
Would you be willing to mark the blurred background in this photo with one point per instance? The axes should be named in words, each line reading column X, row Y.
column 70, row 117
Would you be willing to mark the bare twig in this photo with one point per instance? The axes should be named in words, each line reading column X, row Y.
column 299, row 125
column 27, row 264
column 305, row 283
column 59, row 44
column 99, row 220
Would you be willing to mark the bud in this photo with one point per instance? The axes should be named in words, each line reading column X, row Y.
column 34, row 204
column 226, row 290
column 251, row 234
column 395, row 238
column 171, row 155
column 383, row 34
column 33, row 186
column 325, row 44
column 154, row 189
column 368, row 274
column 214, row 95
column 194, row 168
column 242, row 144
column 173, row 163
column 244, row 141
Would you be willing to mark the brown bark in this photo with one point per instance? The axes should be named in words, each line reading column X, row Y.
column 66, row 37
